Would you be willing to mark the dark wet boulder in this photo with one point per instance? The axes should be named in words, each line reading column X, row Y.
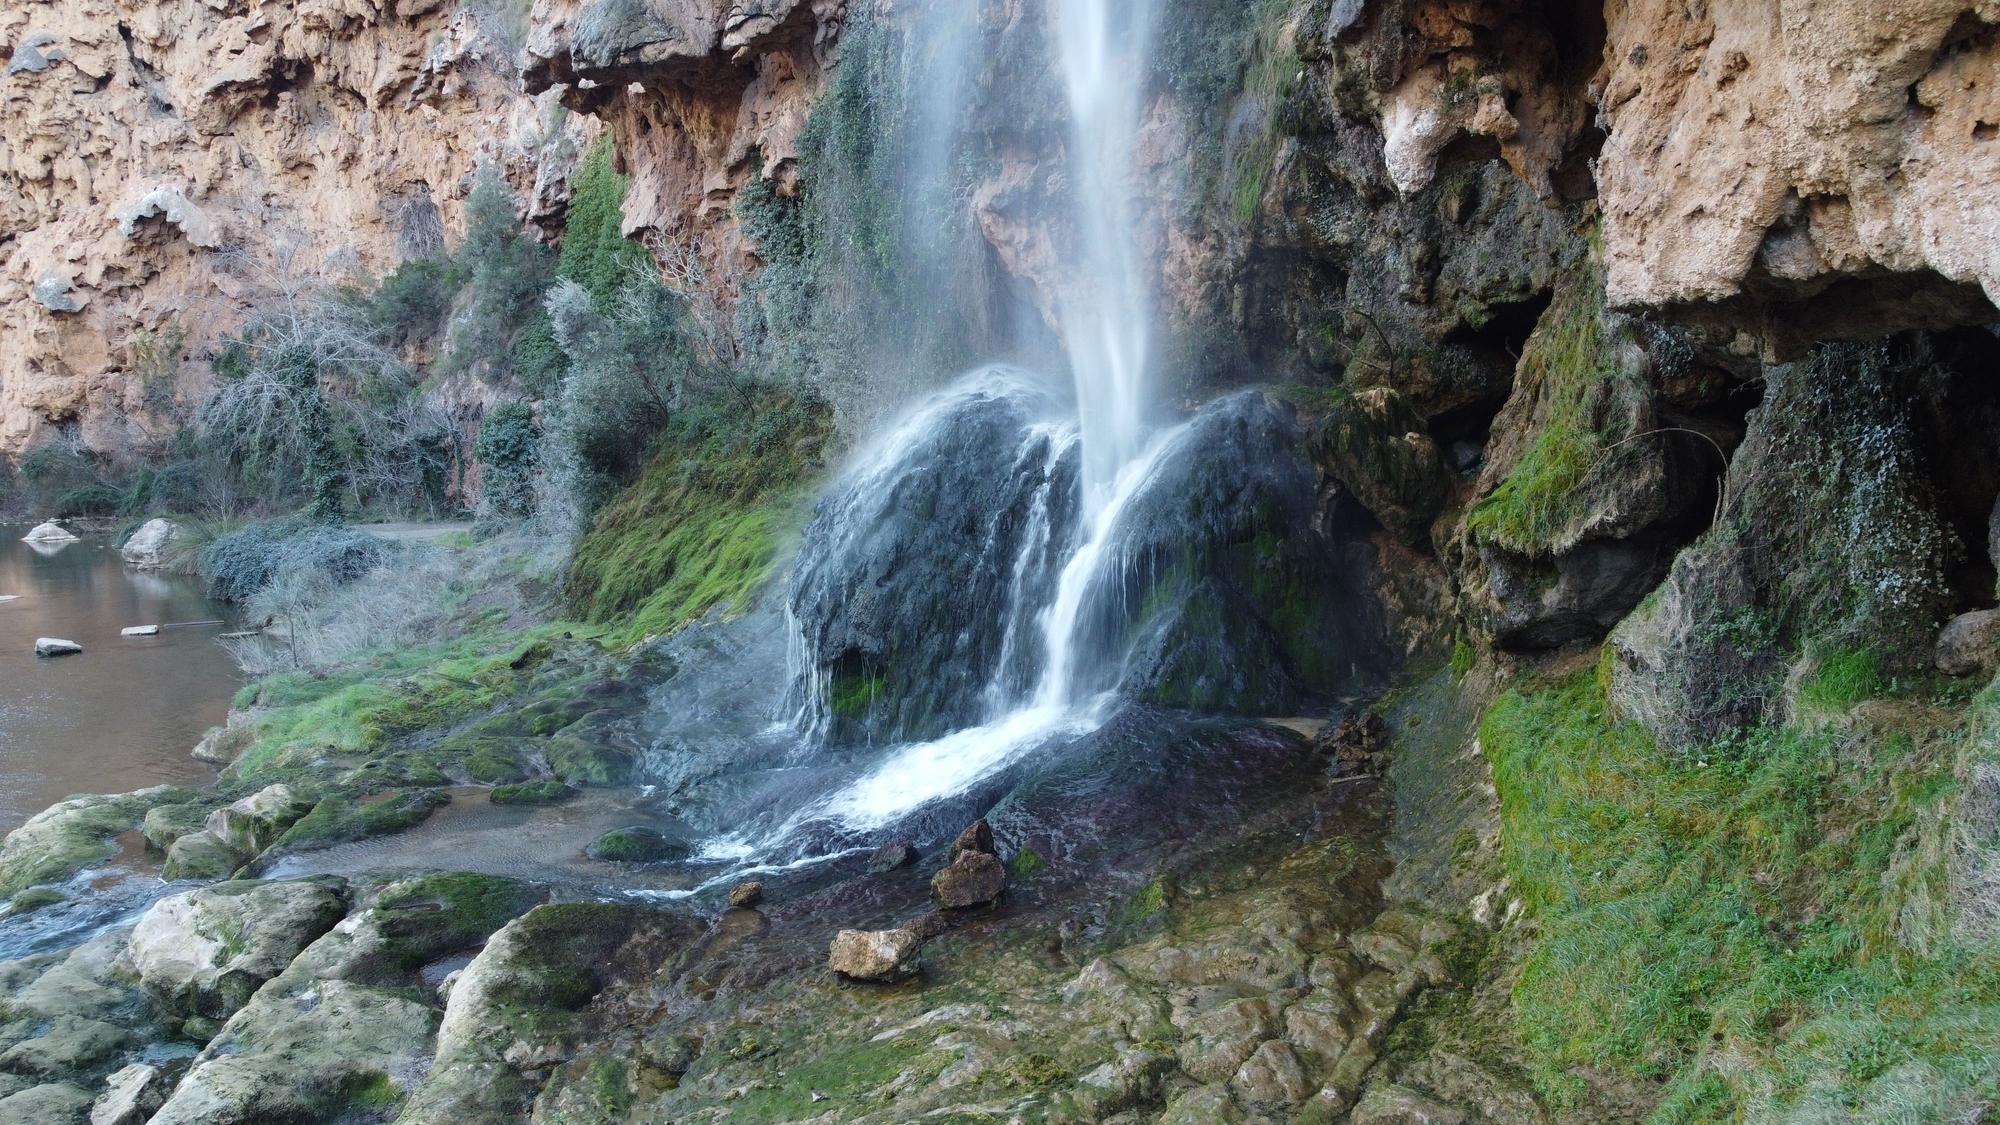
column 893, row 855
column 881, row 955
column 742, row 896
column 917, row 563
column 973, row 879
column 977, row 837
column 1377, row 445
column 1224, row 595
column 1352, row 743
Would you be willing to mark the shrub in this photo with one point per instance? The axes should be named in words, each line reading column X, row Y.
column 410, row 304
column 238, row 565
column 89, row 500
column 505, row 271
column 595, row 252
column 508, row 448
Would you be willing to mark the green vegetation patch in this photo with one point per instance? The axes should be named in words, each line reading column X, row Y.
column 339, row 818
column 1765, row 931
column 1570, row 360
column 703, row 525
column 545, row 792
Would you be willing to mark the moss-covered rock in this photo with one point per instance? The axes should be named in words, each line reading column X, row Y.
column 545, row 792
column 167, row 823
column 201, row 857
column 63, row 839
column 636, row 844
column 339, row 817
column 520, row 995
column 204, row 952
column 1376, row 444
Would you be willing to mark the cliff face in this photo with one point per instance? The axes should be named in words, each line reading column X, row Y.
column 162, row 161
column 1819, row 167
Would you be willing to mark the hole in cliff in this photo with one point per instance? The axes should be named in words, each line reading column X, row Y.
column 1494, row 345
column 295, row 76
column 1983, row 131
column 1960, row 398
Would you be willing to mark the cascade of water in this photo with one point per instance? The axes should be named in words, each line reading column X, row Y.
column 1056, row 565
column 1107, row 313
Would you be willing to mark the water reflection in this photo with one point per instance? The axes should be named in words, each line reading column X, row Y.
column 124, row 713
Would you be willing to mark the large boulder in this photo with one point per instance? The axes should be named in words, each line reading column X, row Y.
column 973, row 879
column 201, row 857
column 147, row 548
column 205, row 952
column 255, row 822
column 1376, row 444
column 882, row 955
column 1970, row 644
column 1831, row 534
column 514, row 1006
column 63, row 839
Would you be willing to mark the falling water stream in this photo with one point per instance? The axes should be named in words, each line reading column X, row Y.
column 1106, row 317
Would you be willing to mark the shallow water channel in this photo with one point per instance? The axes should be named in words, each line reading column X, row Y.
column 123, row 714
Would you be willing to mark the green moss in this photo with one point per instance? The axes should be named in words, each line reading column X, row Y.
column 1777, row 904
column 1150, row 901
column 1569, row 360
column 850, row 697
column 469, row 905
column 370, row 1090
column 1843, row 679
column 545, row 792
column 843, row 1076
column 702, row 526
column 631, row 845
column 339, row 818
column 1026, row 864
column 1462, row 657
column 33, row 899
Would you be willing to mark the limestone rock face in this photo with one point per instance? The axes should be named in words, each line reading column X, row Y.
column 156, row 159
column 1767, row 151
column 207, row 951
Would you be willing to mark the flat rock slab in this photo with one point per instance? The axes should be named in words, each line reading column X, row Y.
column 56, row 646
column 140, row 631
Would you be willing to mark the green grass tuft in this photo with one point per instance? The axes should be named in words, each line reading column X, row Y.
column 1758, row 930
column 703, row 525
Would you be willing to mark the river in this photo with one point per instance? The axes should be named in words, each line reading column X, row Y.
column 123, row 714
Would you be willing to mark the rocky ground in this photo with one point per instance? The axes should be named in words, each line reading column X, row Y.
column 1254, row 956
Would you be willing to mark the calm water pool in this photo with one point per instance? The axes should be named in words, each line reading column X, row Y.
column 125, row 713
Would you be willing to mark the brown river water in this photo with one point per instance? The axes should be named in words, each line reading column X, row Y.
column 123, row 714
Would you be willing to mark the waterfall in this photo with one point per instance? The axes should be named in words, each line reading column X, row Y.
column 950, row 579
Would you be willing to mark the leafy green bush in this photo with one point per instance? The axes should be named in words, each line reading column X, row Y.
column 506, row 270
column 595, row 252
column 237, row 565
column 411, row 304
column 89, row 500
column 508, row 450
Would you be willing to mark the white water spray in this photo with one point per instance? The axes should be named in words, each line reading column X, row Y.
column 1106, row 316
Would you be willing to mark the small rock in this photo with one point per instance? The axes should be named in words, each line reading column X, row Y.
column 147, row 548
column 56, row 646
column 1272, row 1076
column 1970, row 644
column 977, row 837
column 1386, row 1103
column 889, row 857
column 928, row 926
column 140, row 631
column 49, row 1103
column 745, row 895
column 9, row 598
column 882, row 955
column 1352, row 742
column 130, row 1096
column 973, row 879
column 50, row 532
